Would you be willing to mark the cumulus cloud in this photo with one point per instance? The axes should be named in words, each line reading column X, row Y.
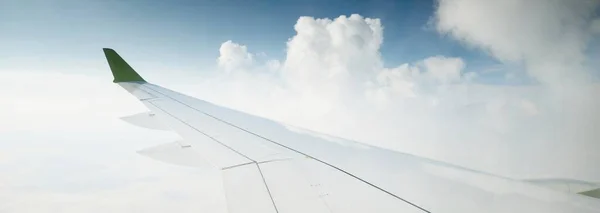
column 548, row 37
column 233, row 56
column 340, row 58
column 332, row 68
column 444, row 70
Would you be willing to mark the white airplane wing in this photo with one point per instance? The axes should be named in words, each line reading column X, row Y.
column 273, row 168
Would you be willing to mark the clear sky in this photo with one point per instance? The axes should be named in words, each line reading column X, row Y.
column 514, row 80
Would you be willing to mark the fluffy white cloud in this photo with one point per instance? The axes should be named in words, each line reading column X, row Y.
column 548, row 37
column 234, row 56
column 332, row 69
column 444, row 70
column 424, row 78
column 339, row 59
column 338, row 50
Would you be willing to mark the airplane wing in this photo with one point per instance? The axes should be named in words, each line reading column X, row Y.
column 271, row 167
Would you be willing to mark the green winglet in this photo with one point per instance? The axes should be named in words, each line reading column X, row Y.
column 121, row 71
column 595, row 193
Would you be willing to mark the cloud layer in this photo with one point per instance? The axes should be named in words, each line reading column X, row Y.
column 63, row 149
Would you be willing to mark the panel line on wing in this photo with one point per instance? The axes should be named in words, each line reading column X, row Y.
column 236, row 166
column 212, row 138
column 250, row 163
column 291, row 149
column 267, row 186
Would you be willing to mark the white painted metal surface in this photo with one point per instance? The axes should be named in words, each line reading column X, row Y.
column 270, row 167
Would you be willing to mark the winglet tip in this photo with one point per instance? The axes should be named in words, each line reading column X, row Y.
column 121, row 71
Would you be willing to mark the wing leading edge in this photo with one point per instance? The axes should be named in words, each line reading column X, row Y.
column 270, row 167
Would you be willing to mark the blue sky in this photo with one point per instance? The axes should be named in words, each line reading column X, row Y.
column 187, row 34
